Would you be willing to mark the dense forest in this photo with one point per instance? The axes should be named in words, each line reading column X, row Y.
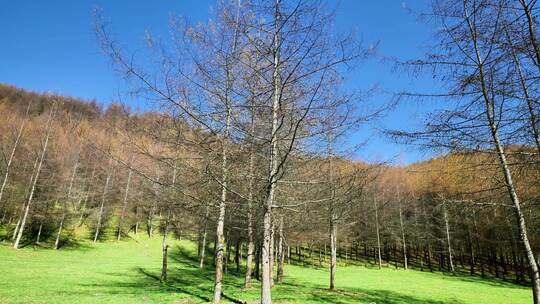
column 245, row 150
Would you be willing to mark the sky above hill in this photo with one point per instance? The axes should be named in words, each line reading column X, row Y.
column 51, row 46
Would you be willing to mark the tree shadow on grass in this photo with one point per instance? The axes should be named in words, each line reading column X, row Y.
column 297, row 292
column 303, row 292
column 491, row 281
column 66, row 245
column 72, row 244
column 185, row 256
column 196, row 283
column 143, row 282
column 187, row 280
column 172, row 285
column 358, row 295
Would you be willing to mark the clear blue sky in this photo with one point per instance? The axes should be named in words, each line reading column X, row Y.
column 50, row 46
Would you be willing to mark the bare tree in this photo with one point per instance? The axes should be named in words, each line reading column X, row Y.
column 64, row 207
column 124, row 205
column 13, row 150
column 103, row 199
column 402, row 228
column 447, row 231
column 471, row 58
column 44, row 144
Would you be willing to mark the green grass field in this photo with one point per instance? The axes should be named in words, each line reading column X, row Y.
column 128, row 271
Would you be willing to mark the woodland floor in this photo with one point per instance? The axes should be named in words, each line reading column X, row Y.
column 128, row 272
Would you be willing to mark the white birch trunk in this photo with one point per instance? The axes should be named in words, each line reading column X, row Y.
column 221, row 216
column 124, row 206
column 61, row 226
column 103, row 197
column 89, row 185
column 250, row 245
column 403, row 241
column 280, row 252
column 12, row 154
column 509, row 183
column 448, row 240
column 16, row 230
column 164, row 244
column 266, row 284
column 203, row 242
column 377, row 230
column 149, row 221
column 333, row 253
column 36, row 177
column 224, row 167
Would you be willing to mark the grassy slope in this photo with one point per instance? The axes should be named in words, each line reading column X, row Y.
column 127, row 272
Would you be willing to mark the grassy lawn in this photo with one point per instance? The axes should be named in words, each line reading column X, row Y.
column 128, row 271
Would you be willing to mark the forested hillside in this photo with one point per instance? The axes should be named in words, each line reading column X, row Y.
column 68, row 163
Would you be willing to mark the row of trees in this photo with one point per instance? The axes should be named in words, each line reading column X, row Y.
column 262, row 82
column 412, row 217
column 245, row 148
column 487, row 58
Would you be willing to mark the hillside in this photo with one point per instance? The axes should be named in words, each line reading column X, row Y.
column 110, row 183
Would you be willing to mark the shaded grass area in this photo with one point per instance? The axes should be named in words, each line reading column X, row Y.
column 128, row 272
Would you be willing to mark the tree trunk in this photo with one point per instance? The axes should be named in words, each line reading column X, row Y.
column 19, row 219
column 530, row 102
column 227, row 253
column 165, row 247
column 38, row 237
column 266, row 295
column 164, row 244
column 221, row 217
column 4, row 214
column 448, row 241
column 68, row 197
column 237, row 254
column 333, row 216
column 266, row 250
column 203, row 242
column 57, row 241
column 258, row 261
column 34, row 182
column 320, row 257
column 333, row 253
column 224, row 166
column 288, row 254
column 39, row 232
column 103, row 197
column 16, row 230
column 12, row 154
column 250, row 245
column 403, row 241
column 471, row 250
column 509, row 183
column 280, row 252
column 83, row 208
column 152, row 212
column 377, row 230
column 124, row 206
column 272, row 255
column 137, row 220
